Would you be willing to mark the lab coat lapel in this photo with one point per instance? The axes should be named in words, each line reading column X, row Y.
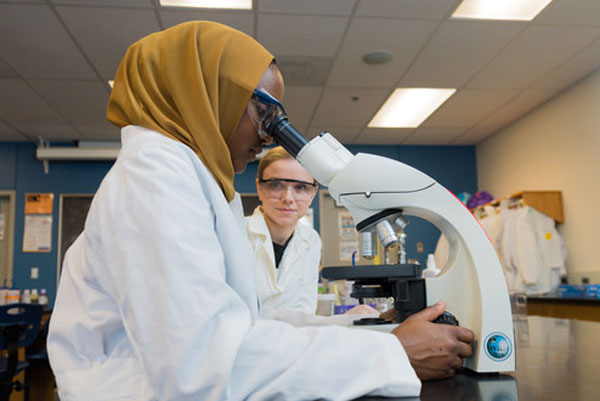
column 258, row 227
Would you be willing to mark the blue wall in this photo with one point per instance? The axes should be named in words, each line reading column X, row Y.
column 453, row 167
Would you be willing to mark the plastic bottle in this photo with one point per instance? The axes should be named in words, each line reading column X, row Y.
column 43, row 299
column 34, row 296
column 13, row 296
column 26, row 296
column 431, row 270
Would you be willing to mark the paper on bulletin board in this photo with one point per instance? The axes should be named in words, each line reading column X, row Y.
column 2, row 220
column 37, row 233
column 348, row 237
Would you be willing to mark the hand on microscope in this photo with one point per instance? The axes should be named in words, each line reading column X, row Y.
column 435, row 350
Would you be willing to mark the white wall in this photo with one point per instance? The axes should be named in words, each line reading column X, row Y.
column 555, row 147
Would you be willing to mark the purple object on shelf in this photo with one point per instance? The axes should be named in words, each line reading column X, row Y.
column 479, row 198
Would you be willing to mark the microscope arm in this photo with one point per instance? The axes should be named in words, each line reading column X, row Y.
column 471, row 283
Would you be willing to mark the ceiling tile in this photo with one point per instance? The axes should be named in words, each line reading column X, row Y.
column 403, row 38
column 538, row 50
column 240, row 20
column 27, row 111
column 348, row 107
column 82, row 103
column 432, row 136
column 300, row 103
column 304, row 70
column 9, row 134
column 106, row 3
column 571, row 12
column 509, row 113
column 46, row 50
column 329, row 7
column 285, row 34
column 104, row 34
column 457, row 51
column 6, row 71
column 20, row 103
column 343, row 134
column 466, row 107
column 383, row 136
column 51, row 131
column 429, row 9
column 576, row 67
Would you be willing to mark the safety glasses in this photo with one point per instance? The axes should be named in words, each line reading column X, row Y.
column 262, row 108
column 278, row 187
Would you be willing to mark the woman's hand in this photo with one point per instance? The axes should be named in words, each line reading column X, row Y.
column 435, row 350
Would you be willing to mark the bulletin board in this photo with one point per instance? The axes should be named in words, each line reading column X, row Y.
column 73, row 210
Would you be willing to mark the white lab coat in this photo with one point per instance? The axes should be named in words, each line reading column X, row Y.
column 157, row 301
column 294, row 285
column 534, row 250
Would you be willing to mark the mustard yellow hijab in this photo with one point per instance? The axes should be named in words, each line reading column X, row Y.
column 192, row 83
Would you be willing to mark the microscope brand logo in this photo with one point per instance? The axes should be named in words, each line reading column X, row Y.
column 498, row 346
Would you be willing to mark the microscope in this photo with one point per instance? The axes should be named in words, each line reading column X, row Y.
column 379, row 192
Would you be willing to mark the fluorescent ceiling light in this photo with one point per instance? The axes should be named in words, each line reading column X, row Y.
column 521, row 10
column 409, row 107
column 230, row 4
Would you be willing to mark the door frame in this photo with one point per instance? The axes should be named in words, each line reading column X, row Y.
column 10, row 245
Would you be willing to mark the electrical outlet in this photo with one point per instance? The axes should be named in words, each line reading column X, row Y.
column 35, row 273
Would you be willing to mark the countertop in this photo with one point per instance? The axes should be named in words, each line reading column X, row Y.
column 557, row 360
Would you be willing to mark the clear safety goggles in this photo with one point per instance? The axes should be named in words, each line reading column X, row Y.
column 262, row 109
column 279, row 187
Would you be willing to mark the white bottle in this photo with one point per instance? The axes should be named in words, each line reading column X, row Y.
column 26, row 296
column 43, row 299
column 431, row 270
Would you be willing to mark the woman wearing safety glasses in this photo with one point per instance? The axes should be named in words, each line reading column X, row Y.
column 157, row 297
column 287, row 250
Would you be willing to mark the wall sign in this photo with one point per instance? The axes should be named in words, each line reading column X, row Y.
column 37, row 234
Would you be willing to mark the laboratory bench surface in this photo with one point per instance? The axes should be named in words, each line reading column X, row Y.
column 557, row 360
column 582, row 308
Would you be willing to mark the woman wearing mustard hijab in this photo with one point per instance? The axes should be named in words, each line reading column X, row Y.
column 157, row 299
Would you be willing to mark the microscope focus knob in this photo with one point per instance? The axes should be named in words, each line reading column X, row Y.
column 446, row 318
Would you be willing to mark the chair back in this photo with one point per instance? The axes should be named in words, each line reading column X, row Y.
column 27, row 315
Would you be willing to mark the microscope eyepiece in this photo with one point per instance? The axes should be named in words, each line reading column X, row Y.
column 285, row 134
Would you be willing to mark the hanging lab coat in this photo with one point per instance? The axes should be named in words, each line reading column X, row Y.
column 157, row 301
column 294, row 284
column 535, row 251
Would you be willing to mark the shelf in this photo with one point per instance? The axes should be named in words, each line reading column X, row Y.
column 547, row 202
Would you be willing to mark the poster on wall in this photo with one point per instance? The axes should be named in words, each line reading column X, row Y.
column 37, row 233
column 348, row 237
column 2, row 227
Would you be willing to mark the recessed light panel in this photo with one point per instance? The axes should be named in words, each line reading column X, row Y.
column 520, row 10
column 229, row 4
column 409, row 107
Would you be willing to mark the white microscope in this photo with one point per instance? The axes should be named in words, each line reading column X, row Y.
column 378, row 191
